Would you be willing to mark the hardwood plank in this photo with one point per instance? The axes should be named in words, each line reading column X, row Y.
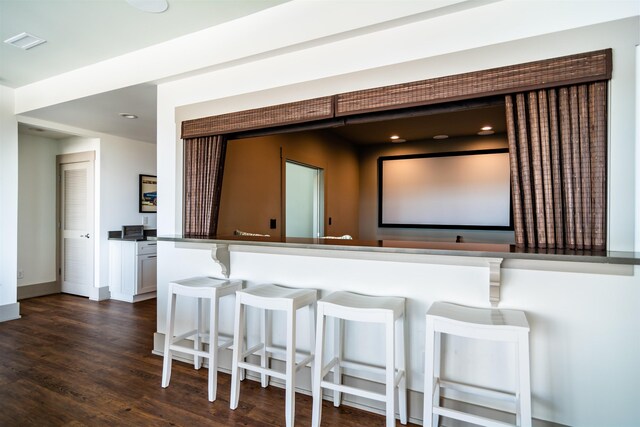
column 73, row 362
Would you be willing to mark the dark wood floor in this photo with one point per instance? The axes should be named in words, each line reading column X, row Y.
column 74, row 362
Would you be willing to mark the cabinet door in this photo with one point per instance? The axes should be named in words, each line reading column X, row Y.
column 146, row 273
column 147, row 248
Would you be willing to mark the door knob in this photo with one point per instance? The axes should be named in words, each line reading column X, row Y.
column 85, row 235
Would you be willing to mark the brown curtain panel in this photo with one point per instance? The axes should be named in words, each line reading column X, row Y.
column 203, row 170
column 557, row 144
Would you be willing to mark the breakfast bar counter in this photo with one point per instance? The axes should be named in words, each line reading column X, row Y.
column 569, row 297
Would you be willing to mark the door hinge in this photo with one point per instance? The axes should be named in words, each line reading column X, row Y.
column 59, row 271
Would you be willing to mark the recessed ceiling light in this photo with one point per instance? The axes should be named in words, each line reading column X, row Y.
column 441, row 137
column 394, row 137
column 24, row 41
column 151, row 6
column 486, row 132
column 128, row 116
column 486, row 128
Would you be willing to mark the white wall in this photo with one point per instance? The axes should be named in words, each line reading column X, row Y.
column 585, row 326
column 122, row 161
column 119, row 161
column 37, row 209
column 8, row 205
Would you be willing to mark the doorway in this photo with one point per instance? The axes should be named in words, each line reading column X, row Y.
column 304, row 200
column 75, row 222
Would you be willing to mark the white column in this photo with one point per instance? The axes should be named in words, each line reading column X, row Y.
column 637, row 123
column 9, row 307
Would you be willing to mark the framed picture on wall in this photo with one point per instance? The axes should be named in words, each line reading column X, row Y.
column 148, row 193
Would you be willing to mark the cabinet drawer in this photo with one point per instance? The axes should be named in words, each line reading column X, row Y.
column 147, row 247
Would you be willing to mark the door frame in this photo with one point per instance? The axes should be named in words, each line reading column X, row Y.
column 62, row 159
column 322, row 190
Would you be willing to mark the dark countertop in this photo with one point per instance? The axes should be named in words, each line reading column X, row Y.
column 117, row 235
column 486, row 250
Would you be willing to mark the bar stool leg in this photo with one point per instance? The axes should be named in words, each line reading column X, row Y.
column 524, row 401
column 266, row 342
column 318, row 367
column 429, row 363
column 242, row 371
column 213, row 351
column 312, row 337
column 437, row 363
column 238, row 350
column 402, row 366
column 168, row 338
column 390, row 371
column 338, row 336
column 290, row 386
column 197, row 343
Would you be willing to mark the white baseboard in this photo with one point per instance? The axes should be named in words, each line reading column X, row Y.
column 9, row 312
column 38, row 290
column 100, row 294
column 133, row 298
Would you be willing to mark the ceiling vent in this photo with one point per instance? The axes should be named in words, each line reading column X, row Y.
column 24, row 41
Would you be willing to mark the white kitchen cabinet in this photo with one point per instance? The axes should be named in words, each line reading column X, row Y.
column 132, row 269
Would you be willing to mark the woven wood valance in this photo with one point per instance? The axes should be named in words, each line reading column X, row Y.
column 580, row 68
column 277, row 115
column 574, row 69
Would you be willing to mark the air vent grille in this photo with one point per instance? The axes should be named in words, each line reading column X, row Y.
column 24, row 41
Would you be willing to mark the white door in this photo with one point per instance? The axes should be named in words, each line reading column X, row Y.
column 76, row 226
column 304, row 201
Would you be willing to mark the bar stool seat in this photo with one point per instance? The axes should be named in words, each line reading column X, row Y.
column 389, row 311
column 202, row 288
column 483, row 324
column 271, row 297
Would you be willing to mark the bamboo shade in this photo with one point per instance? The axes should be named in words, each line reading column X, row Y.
column 258, row 118
column 557, row 141
column 573, row 69
column 203, row 171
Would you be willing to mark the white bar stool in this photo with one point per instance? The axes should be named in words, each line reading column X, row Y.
column 201, row 288
column 483, row 324
column 272, row 297
column 388, row 311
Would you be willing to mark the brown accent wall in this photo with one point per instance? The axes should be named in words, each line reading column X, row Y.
column 252, row 185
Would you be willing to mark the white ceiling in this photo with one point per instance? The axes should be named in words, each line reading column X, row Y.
column 82, row 32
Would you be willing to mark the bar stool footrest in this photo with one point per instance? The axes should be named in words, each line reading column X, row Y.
column 261, row 370
column 381, row 397
column 363, row 367
column 472, row 389
column 183, row 336
column 474, row 419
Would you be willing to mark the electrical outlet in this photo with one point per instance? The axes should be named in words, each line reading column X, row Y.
column 20, row 274
column 145, row 220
